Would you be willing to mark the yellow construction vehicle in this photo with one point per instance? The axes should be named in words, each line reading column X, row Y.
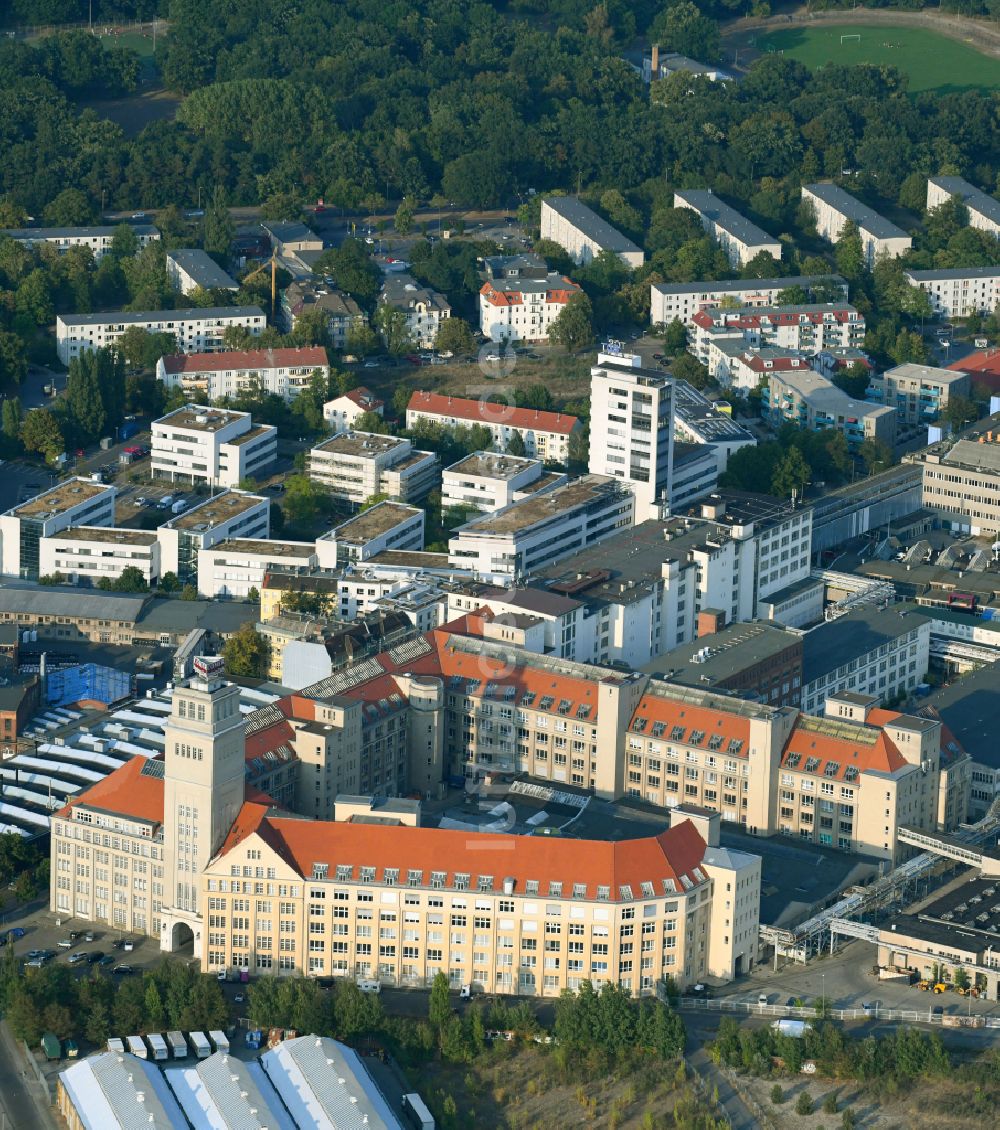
column 923, row 986
column 941, row 987
column 273, row 264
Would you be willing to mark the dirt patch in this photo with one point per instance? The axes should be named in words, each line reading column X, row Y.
column 519, row 1090
column 136, row 112
column 931, row 1106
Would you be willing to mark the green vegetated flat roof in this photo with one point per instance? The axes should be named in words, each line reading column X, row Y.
column 933, row 62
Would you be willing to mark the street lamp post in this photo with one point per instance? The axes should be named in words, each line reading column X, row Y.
column 823, row 1007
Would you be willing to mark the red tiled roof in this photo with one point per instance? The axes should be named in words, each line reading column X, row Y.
column 476, row 412
column 774, row 364
column 313, row 355
column 513, row 296
column 986, row 361
column 673, row 853
column 653, row 709
column 881, row 756
column 126, row 791
column 775, row 316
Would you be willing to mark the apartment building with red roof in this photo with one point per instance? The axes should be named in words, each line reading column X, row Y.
column 545, row 434
column 284, row 372
column 521, row 298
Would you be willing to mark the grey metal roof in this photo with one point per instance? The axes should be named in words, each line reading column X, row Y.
column 403, row 291
column 139, row 317
column 975, row 456
column 79, row 233
column 807, row 282
column 860, row 632
column 730, row 652
column 166, row 615
column 852, row 209
column 325, row 1085
column 968, row 707
column 122, row 1092
column 55, row 600
column 704, row 201
column 586, row 220
column 202, row 268
column 223, row 1092
column 289, row 231
column 955, row 272
column 974, row 199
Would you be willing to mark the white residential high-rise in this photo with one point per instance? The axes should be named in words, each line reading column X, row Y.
column 203, row 779
column 632, row 429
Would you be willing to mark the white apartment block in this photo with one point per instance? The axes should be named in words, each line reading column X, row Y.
column 642, row 588
column 231, row 568
column 88, row 554
column 212, row 376
column 583, row 234
column 97, row 239
column 341, row 413
column 959, row 291
column 694, row 474
column 424, row 308
column 734, row 364
column 681, row 301
column 536, row 532
column 961, row 483
column 195, row 331
column 74, row 502
column 632, row 429
column 486, row 481
column 385, row 526
column 358, row 465
column 232, row 515
column 546, row 435
column 521, row 299
column 735, row 234
column 983, row 210
column 217, row 446
column 808, row 329
column 919, row 393
column 834, row 208
column 190, row 268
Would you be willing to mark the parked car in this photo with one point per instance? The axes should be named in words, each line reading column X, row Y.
column 105, row 961
column 66, row 943
column 96, row 957
column 122, row 970
column 76, row 958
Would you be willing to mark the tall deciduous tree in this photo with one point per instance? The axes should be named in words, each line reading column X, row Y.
column 40, row 432
column 791, row 475
column 247, row 653
column 573, row 328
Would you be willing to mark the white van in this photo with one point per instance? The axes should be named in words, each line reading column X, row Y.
column 366, row 985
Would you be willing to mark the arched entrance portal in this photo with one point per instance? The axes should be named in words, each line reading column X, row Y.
column 181, row 939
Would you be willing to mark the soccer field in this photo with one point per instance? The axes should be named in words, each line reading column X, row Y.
column 932, row 61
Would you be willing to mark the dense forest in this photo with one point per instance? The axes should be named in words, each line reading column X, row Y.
column 460, row 99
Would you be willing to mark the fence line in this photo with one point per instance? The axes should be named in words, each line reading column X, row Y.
column 925, row 1016
column 763, row 1119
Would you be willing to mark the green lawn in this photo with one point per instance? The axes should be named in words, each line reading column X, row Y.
column 932, row 61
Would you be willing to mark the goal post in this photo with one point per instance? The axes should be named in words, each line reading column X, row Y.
column 856, row 38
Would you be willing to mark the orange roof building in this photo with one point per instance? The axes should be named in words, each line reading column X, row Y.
column 545, row 434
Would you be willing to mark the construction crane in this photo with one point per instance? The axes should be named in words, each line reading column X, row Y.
column 273, row 263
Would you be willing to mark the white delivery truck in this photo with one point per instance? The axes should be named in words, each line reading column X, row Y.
column 200, row 1045
column 158, row 1046
column 417, row 1114
column 795, row 1028
column 137, row 1047
column 116, row 1045
column 177, row 1044
column 219, row 1041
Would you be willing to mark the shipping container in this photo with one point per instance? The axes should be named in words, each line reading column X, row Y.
column 199, row 1044
column 158, row 1046
column 219, row 1041
column 178, row 1045
column 137, row 1047
column 417, row 1114
column 115, row 1045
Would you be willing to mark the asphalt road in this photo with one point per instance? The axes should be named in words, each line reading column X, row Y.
column 19, row 1105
